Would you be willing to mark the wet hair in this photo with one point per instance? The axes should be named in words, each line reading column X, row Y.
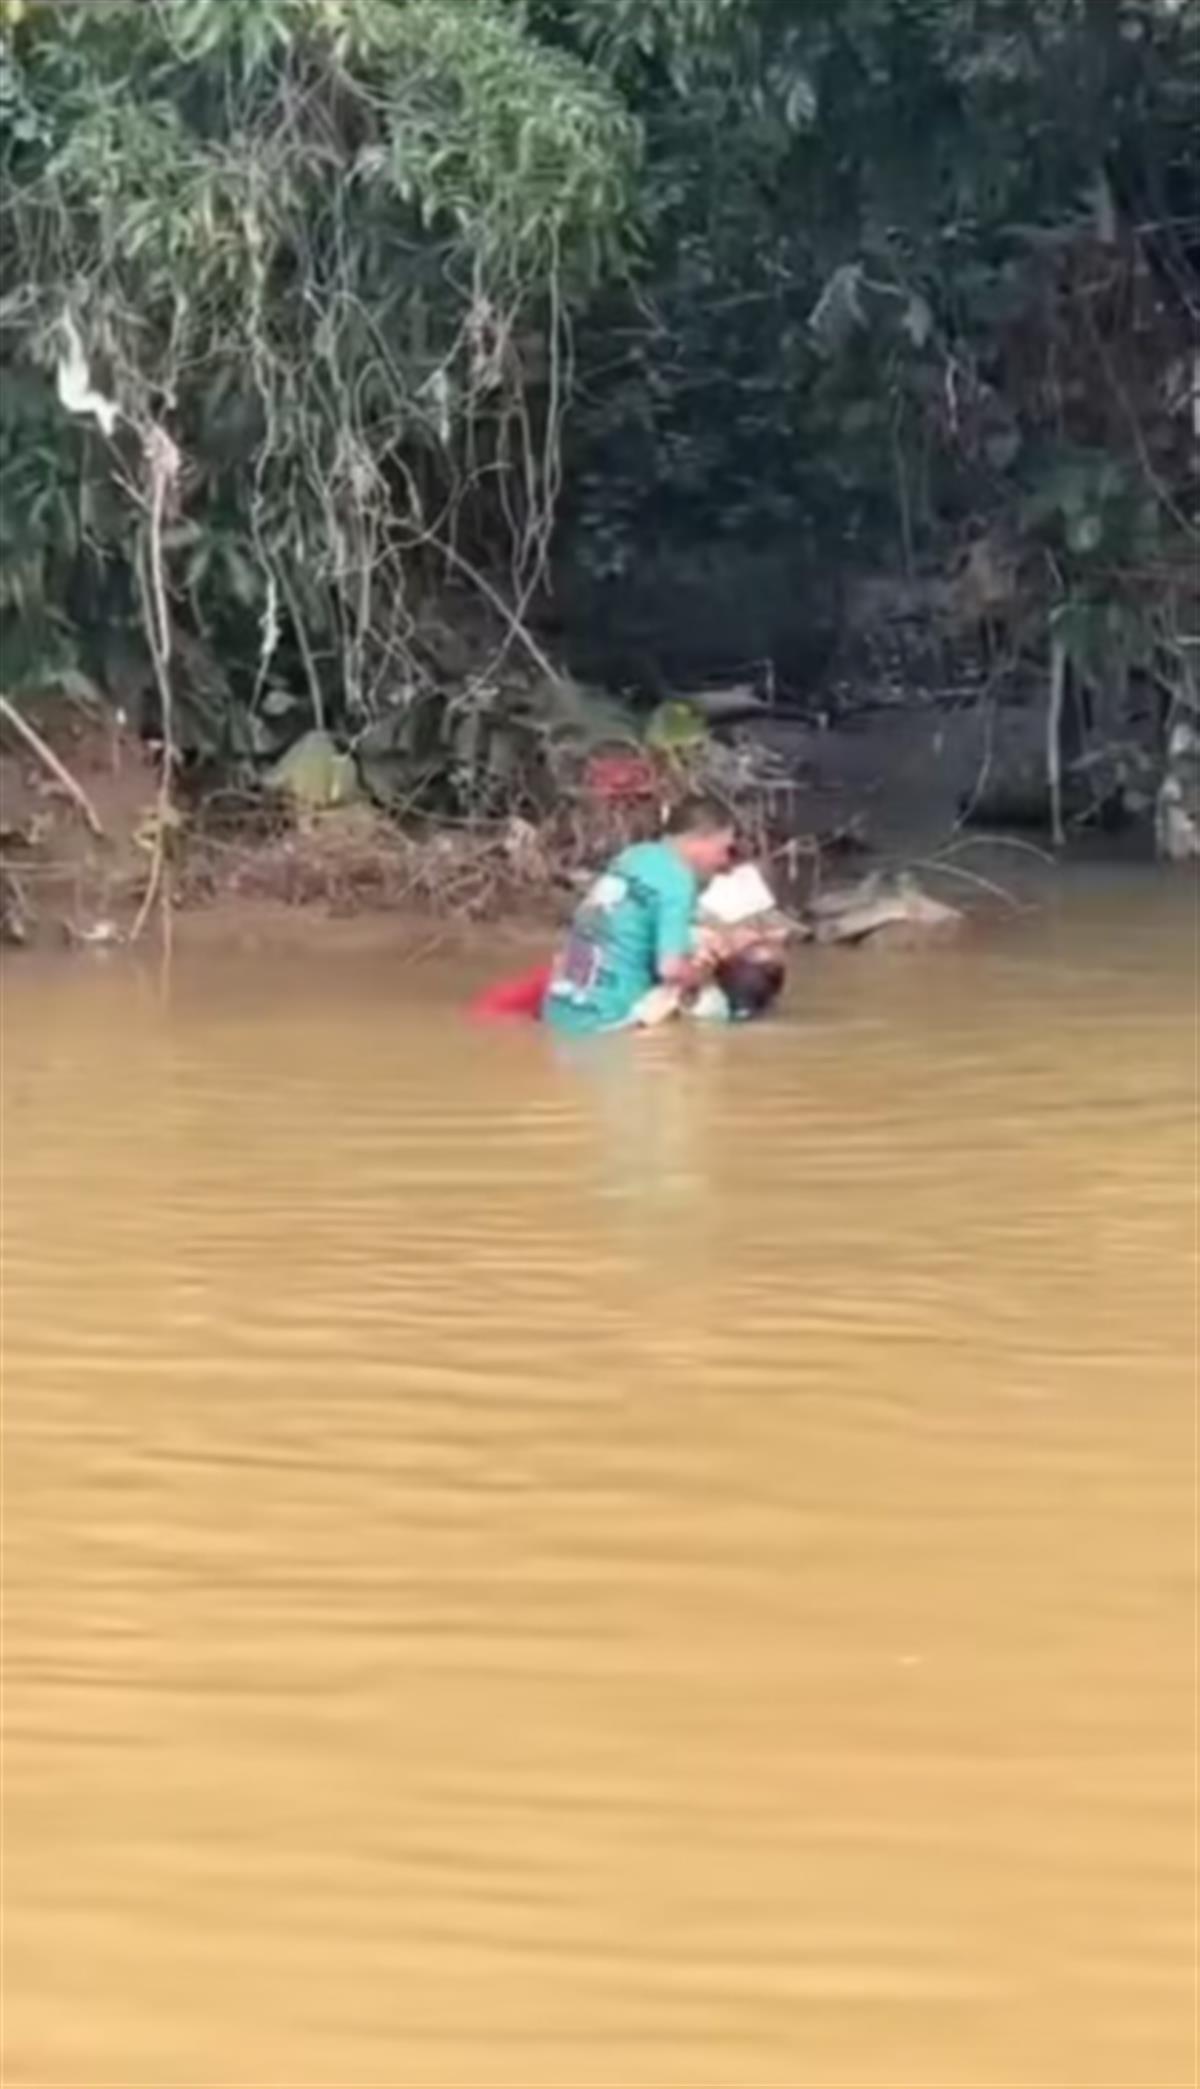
column 699, row 815
column 751, row 985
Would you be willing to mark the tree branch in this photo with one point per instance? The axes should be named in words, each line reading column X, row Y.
column 50, row 761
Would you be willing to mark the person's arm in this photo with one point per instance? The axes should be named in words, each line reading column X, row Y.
column 766, row 932
column 677, row 963
column 684, row 972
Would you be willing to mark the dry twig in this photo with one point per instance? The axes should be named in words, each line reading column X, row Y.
column 51, row 761
column 163, row 464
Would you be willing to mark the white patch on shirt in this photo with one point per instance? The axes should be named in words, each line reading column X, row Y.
column 607, row 892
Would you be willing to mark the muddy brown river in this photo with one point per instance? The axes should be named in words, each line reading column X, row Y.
column 667, row 1566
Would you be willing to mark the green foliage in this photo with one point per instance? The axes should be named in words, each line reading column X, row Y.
column 314, row 774
column 840, row 283
column 333, row 246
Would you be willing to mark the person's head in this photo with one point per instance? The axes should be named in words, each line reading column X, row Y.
column 751, row 984
column 702, row 830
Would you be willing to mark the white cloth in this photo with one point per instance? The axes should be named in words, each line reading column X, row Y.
column 737, row 896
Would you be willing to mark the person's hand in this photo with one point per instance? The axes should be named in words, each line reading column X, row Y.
column 733, row 942
column 687, row 973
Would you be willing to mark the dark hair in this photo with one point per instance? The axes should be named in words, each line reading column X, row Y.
column 751, row 985
column 700, row 815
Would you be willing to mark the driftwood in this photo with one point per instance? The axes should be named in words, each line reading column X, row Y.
column 726, row 703
column 14, row 913
column 879, row 904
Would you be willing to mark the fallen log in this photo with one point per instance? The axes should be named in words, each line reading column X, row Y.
column 895, row 908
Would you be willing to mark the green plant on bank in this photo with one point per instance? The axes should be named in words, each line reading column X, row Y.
column 333, row 246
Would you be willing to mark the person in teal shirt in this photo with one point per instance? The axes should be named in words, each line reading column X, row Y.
column 635, row 930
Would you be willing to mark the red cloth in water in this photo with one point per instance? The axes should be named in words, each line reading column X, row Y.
column 522, row 995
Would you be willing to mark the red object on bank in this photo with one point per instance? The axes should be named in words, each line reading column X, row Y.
column 520, row 996
column 621, row 778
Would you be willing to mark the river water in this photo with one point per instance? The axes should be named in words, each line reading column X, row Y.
column 662, row 1567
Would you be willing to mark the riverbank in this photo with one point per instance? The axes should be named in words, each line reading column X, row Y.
column 93, row 855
